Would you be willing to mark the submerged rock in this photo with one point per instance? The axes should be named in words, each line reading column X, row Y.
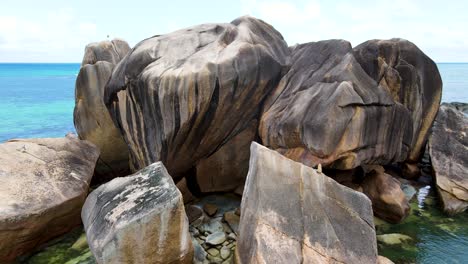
column 393, row 239
column 91, row 117
column 292, row 214
column 138, row 219
column 327, row 110
column 179, row 97
column 448, row 148
column 412, row 79
column 44, row 183
column 389, row 202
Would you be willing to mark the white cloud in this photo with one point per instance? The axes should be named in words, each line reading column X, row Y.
column 58, row 35
column 416, row 20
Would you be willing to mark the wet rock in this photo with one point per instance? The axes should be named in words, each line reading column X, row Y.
column 412, row 79
column 389, row 202
column 179, row 97
column 393, row 239
column 292, row 214
column 216, row 238
column 44, row 183
column 138, row 219
column 411, row 171
column 324, row 83
column 448, row 148
column 91, row 117
column 210, row 209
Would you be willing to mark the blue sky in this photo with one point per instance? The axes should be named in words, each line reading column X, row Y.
column 57, row 31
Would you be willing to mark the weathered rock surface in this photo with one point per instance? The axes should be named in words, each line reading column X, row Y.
column 138, row 219
column 448, row 148
column 389, row 202
column 412, row 79
column 293, row 214
column 91, row 117
column 327, row 110
column 110, row 51
column 44, row 183
column 179, row 97
column 227, row 168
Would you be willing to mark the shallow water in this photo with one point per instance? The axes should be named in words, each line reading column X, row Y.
column 436, row 238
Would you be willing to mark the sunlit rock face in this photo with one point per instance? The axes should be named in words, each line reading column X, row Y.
column 44, row 183
column 138, row 219
column 91, row 117
column 290, row 213
column 327, row 110
column 179, row 97
column 412, row 79
column 448, row 148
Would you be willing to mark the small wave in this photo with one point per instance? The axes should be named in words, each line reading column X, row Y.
column 422, row 194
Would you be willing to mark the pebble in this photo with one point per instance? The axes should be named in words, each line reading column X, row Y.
column 216, row 238
column 232, row 236
column 210, row 209
column 213, row 251
column 225, row 252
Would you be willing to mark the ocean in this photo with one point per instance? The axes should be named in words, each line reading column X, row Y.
column 37, row 100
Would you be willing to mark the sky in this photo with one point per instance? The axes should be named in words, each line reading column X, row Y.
column 59, row 30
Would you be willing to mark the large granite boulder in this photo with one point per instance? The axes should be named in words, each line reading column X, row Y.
column 412, row 79
column 388, row 199
column 138, row 219
column 227, row 168
column 111, row 51
column 327, row 110
column 91, row 117
column 179, row 97
column 448, row 148
column 293, row 214
column 44, row 183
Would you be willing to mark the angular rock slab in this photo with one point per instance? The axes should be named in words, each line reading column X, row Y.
column 177, row 98
column 448, row 148
column 44, row 183
column 411, row 77
column 293, row 214
column 91, row 117
column 327, row 110
column 138, row 219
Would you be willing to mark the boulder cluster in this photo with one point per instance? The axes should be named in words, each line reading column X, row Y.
column 314, row 137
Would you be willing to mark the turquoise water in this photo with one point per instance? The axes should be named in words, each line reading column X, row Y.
column 36, row 100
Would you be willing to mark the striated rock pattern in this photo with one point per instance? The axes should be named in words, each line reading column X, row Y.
column 448, row 148
column 44, row 183
column 388, row 199
column 179, row 97
column 327, row 110
column 91, row 117
column 138, row 219
column 293, row 214
column 111, row 51
column 412, row 79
